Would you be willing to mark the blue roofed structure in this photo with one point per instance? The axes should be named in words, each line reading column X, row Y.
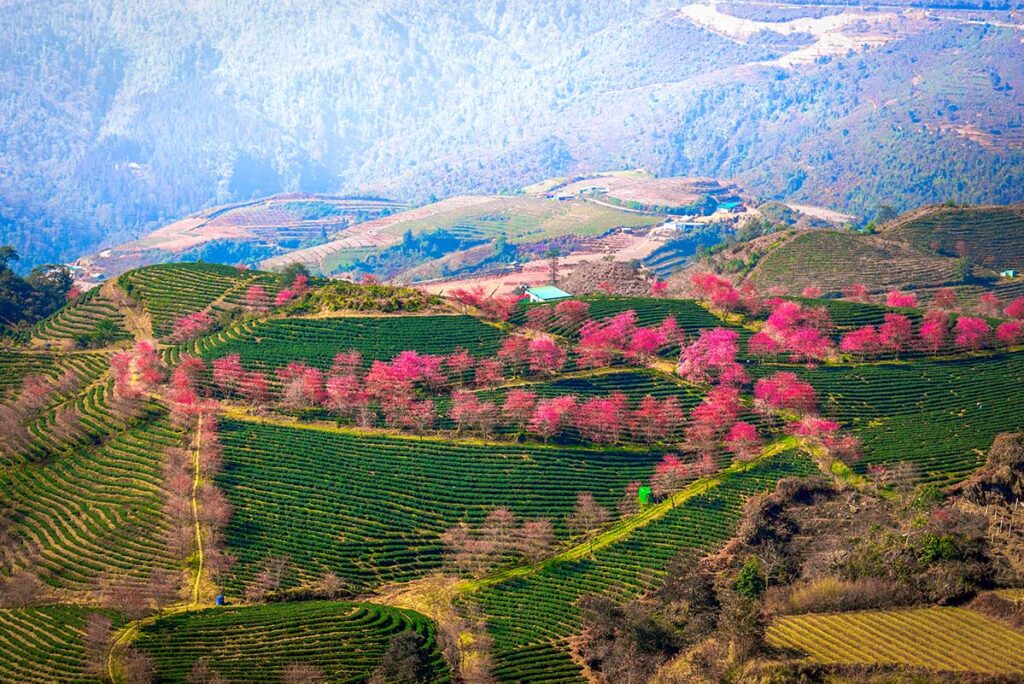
column 546, row 293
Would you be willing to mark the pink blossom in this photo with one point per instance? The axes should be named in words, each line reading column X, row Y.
column 1016, row 309
column 546, row 357
column 897, row 299
column 863, row 341
column 784, row 390
column 1010, row 333
column 971, row 332
column 551, row 415
column 284, row 296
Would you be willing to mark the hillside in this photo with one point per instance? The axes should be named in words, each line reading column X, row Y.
column 325, row 481
column 965, row 248
column 472, row 220
column 834, row 261
column 125, row 116
column 243, row 233
column 990, row 236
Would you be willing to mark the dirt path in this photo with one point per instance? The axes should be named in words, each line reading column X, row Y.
column 136, row 320
column 195, row 512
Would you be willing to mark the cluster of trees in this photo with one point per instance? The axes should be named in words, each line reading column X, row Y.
column 493, row 307
column 723, row 295
column 213, row 511
column 795, row 329
column 24, row 301
column 38, row 392
column 938, row 330
column 600, row 419
column 712, row 359
column 500, row 537
column 136, row 371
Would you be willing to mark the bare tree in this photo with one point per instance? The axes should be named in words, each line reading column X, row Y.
column 587, row 515
column 21, row 589
column 119, row 593
column 268, row 580
column 97, row 638
column 466, row 550
column 163, row 587
column 499, row 529
column 536, row 539
column 137, row 667
column 330, row 585
column 202, row 673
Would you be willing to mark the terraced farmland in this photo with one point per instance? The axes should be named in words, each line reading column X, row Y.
column 86, row 317
column 691, row 317
column 834, row 260
column 936, row 638
column 346, row 641
column 370, row 507
column 634, row 383
column 45, row 644
column 941, row 415
column 277, row 342
column 992, row 236
column 168, row 291
column 16, row 365
column 531, row 618
column 849, row 316
column 92, row 511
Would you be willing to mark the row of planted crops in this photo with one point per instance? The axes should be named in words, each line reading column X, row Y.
column 92, row 315
column 344, row 642
column 277, row 342
column 371, row 507
column 532, row 618
column 95, row 511
column 939, row 414
column 169, row 291
column 47, row 644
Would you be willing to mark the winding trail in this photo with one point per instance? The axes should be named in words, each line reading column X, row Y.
column 195, row 512
column 126, row 635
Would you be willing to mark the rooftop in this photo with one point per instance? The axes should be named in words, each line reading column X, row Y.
column 547, row 293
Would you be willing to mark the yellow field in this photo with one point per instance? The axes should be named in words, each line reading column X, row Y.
column 951, row 639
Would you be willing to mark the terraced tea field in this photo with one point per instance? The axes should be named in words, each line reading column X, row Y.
column 16, row 365
column 345, row 641
column 277, row 342
column 169, row 291
column 941, row 415
column 92, row 511
column 993, row 236
column 371, row 507
column 833, row 260
column 531, row 618
column 86, row 317
column 650, row 311
column 45, row 644
column 634, row 383
column 936, row 638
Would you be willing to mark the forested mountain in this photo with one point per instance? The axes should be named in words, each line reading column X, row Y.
column 120, row 115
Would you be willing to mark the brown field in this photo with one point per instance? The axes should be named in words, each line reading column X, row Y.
column 621, row 247
column 269, row 219
column 936, row 638
column 517, row 219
